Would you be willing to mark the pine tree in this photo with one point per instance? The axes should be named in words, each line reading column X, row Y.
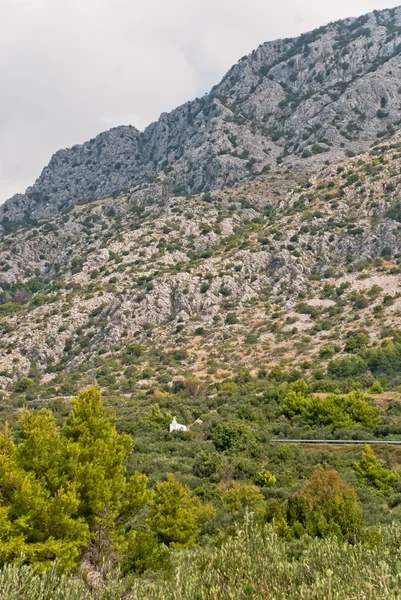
column 97, row 466
column 64, row 491
column 373, row 472
column 176, row 514
column 38, row 521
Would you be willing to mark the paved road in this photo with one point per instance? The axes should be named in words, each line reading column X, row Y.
column 287, row 441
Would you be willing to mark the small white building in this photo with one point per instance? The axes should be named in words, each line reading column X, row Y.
column 174, row 426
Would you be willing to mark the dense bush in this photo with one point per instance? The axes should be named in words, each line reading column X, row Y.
column 349, row 366
column 226, row 435
column 327, row 506
column 382, row 361
column 257, row 564
column 253, row 564
column 333, row 411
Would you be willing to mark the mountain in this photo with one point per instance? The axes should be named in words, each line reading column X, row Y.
column 107, row 248
column 291, row 104
column 237, row 266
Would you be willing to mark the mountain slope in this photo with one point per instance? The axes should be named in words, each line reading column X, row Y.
column 293, row 103
column 272, row 271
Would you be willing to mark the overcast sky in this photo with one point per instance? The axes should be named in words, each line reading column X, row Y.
column 70, row 69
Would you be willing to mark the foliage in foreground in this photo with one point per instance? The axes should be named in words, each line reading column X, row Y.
column 255, row 564
column 65, row 494
column 258, row 564
column 24, row 582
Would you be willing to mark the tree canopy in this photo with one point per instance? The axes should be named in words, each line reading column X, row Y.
column 64, row 491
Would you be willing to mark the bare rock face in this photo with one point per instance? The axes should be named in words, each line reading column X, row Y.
column 80, row 174
column 294, row 103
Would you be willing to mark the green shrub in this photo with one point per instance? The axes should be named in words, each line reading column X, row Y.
column 226, row 435
column 76, row 265
column 373, row 472
column 145, row 553
column 135, row 349
column 356, row 341
column 176, row 514
column 349, row 366
column 23, row 384
column 334, row 411
column 326, row 352
column 238, row 496
column 327, row 506
column 231, row 319
column 376, row 388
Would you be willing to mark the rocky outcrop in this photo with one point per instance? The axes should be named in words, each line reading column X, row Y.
column 293, row 103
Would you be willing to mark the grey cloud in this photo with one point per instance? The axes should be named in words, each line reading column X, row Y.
column 72, row 68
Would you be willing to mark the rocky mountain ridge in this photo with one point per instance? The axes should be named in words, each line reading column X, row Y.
column 291, row 104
